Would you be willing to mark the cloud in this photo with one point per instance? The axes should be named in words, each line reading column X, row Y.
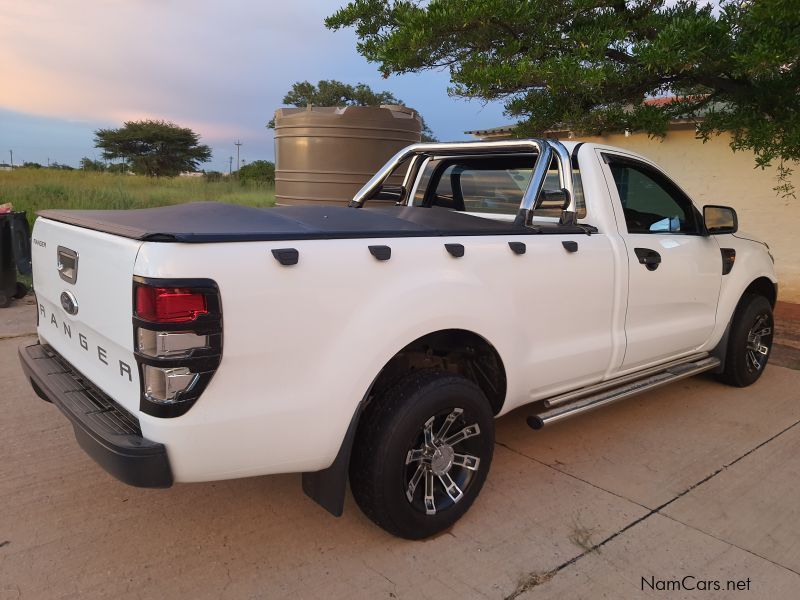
column 113, row 59
column 220, row 68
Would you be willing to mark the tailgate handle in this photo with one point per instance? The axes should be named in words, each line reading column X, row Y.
column 67, row 264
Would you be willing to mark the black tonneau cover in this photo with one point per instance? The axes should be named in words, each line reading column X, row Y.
column 204, row 222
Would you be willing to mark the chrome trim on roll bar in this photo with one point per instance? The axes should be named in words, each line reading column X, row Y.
column 543, row 148
column 565, row 175
column 526, row 207
column 410, row 170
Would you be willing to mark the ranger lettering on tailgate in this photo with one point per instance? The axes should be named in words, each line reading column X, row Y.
column 98, row 351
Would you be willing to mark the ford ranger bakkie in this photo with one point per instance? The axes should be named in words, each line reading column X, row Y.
column 376, row 343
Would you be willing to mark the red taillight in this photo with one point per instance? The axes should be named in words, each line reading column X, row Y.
column 169, row 305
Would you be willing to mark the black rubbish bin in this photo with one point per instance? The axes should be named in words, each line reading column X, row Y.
column 15, row 255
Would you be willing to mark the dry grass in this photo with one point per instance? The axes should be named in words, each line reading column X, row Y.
column 36, row 189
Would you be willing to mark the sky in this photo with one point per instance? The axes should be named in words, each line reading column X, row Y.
column 220, row 68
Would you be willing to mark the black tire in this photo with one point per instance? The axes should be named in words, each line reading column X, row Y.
column 744, row 362
column 22, row 291
column 394, row 425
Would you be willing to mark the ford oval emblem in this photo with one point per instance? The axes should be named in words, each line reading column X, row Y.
column 69, row 303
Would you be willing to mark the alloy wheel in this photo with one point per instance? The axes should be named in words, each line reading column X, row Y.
column 440, row 465
column 759, row 341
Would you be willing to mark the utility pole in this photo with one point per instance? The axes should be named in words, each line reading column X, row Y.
column 11, row 152
column 230, row 165
column 237, row 143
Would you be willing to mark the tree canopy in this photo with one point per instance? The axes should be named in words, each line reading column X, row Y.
column 153, row 148
column 329, row 92
column 258, row 171
column 590, row 64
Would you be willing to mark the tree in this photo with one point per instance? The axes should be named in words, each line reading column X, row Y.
column 31, row 165
column 153, row 148
column 336, row 93
column 590, row 64
column 87, row 164
column 258, row 171
column 329, row 92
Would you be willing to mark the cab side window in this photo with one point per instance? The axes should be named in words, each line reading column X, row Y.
column 650, row 201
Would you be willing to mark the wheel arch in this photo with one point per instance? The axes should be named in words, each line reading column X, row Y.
column 763, row 286
column 459, row 351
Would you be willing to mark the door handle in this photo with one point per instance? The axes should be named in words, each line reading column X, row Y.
column 649, row 258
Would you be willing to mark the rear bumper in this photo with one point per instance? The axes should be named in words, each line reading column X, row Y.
column 106, row 431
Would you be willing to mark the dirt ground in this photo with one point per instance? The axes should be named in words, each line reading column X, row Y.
column 691, row 485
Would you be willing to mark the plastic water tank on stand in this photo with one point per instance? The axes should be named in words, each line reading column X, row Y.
column 325, row 154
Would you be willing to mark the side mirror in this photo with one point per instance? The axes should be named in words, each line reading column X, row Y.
column 720, row 219
column 389, row 192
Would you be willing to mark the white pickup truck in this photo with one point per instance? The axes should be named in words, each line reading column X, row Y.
column 379, row 341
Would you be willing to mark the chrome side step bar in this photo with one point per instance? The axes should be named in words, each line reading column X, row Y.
column 618, row 381
column 581, row 401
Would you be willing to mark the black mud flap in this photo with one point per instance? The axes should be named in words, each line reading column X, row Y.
column 327, row 487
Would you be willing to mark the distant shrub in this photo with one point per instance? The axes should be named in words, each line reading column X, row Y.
column 212, row 176
column 87, row 164
column 258, row 171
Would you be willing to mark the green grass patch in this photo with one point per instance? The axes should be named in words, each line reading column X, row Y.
column 37, row 189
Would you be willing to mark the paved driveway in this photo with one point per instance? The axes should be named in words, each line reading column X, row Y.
column 694, row 482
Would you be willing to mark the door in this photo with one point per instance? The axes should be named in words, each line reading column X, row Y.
column 674, row 270
column 560, row 299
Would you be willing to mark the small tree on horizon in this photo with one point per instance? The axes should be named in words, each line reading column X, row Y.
column 153, row 148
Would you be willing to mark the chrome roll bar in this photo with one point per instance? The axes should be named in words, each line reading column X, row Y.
column 544, row 149
column 565, row 175
column 528, row 204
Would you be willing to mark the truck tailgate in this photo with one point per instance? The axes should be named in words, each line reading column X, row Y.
column 85, row 308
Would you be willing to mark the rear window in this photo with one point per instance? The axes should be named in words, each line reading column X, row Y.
column 493, row 185
column 482, row 190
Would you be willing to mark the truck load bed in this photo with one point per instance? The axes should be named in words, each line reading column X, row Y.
column 207, row 222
